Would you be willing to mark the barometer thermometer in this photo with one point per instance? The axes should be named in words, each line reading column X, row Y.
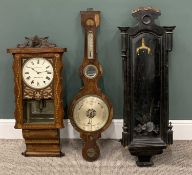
column 90, row 44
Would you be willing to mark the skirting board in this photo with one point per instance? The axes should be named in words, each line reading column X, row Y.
column 182, row 130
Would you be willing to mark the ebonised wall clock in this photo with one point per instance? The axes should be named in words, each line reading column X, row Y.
column 145, row 49
column 90, row 111
column 39, row 111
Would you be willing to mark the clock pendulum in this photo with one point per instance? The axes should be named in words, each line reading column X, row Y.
column 90, row 111
column 39, row 111
column 145, row 48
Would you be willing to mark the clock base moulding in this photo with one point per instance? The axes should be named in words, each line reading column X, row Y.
column 42, row 142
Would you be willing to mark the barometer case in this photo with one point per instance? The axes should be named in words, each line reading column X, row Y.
column 90, row 111
column 145, row 49
column 37, row 66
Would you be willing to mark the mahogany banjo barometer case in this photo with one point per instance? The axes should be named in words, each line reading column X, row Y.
column 145, row 49
column 90, row 111
column 39, row 111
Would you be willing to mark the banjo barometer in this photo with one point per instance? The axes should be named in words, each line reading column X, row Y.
column 145, row 49
column 90, row 111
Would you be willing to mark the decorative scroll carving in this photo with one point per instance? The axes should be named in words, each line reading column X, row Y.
column 36, row 42
column 146, row 15
column 30, row 93
column 146, row 9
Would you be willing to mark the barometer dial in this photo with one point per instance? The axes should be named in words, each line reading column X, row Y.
column 90, row 113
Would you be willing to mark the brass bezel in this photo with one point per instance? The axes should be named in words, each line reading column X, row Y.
column 86, row 68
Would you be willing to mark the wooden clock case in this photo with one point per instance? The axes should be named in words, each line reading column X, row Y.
column 145, row 48
column 41, row 138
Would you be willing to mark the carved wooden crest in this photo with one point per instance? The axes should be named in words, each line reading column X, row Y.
column 36, row 42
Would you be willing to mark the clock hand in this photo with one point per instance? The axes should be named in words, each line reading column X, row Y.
column 43, row 71
column 32, row 69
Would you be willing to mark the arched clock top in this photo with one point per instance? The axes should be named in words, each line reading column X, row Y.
column 146, row 15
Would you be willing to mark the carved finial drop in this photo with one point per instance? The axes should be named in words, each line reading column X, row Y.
column 170, row 126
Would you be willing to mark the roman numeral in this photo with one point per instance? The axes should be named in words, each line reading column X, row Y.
column 32, row 62
column 28, row 77
column 37, row 61
column 26, row 72
column 48, row 72
column 37, row 83
column 48, row 78
column 47, row 67
column 32, row 82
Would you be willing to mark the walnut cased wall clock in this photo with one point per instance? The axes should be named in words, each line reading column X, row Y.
column 90, row 111
column 145, row 48
column 39, row 111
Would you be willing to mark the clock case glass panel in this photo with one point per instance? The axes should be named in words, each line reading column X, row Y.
column 38, row 111
column 145, row 48
column 146, row 85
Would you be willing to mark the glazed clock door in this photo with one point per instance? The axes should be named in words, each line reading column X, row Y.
column 147, row 86
column 37, row 76
column 145, row 48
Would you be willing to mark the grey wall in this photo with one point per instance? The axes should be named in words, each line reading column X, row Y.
column 60, row 20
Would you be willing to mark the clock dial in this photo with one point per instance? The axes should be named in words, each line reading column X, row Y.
column 37, row 73
column 90, row 45
column 90, row 113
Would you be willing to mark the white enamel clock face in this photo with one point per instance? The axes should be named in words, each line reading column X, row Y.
column 90, row 113
column 37, row 73
column 90, row 45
